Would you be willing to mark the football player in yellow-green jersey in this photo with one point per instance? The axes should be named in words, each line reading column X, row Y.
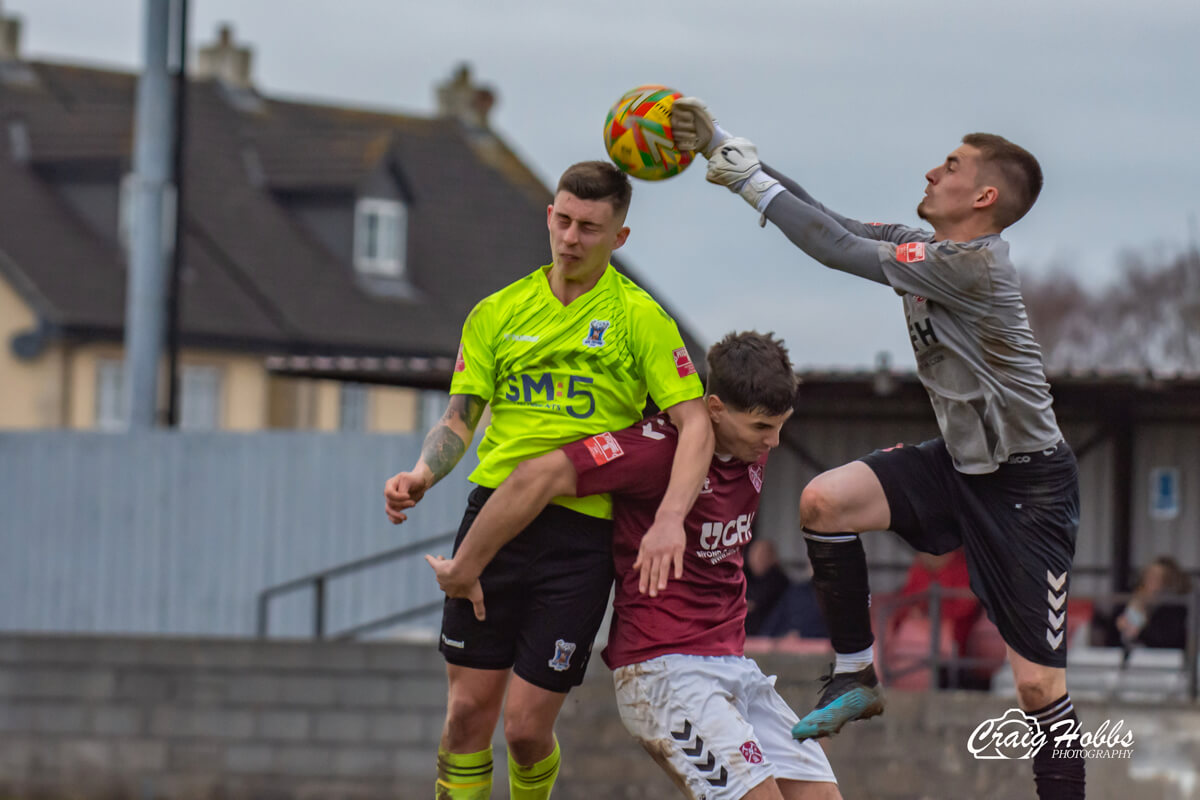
column 571, row 350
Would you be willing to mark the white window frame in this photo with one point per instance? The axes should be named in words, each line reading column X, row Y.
column 110, row 394
column 354, row 407
column 380, row 236
column 200, row 397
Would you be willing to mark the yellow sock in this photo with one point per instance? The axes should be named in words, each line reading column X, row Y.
column 535, row 782
column 464, row 776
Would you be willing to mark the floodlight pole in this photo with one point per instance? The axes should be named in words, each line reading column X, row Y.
column 148, row 245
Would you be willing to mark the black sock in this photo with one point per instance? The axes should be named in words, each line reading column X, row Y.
column 843, row 592
column 1059, row 774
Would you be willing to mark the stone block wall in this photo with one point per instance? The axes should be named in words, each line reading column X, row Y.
column 102, row 718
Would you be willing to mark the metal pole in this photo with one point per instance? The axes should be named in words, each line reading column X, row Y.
column 1122, row 553
column 1193, row 645
column 178, row 171
column 264, row 612
column 935, row 629
column 147, row 246
column 319, row 608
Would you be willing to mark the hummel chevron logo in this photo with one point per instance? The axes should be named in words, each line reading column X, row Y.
column 708, row 765
column 685, row 734
column 1056, row 600
column 692, row 752
column 1054, row 640
column 1056, row 583
column 721, row 779
column 1056, row 622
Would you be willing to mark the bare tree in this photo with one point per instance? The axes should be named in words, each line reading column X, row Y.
column 1146, row 321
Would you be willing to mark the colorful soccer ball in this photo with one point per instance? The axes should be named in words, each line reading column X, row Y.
column 637, row 134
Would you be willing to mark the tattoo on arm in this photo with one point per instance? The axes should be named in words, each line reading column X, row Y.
column 466, row 407
column 444, row 447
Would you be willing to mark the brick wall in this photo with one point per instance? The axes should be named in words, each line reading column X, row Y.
column 99, row 718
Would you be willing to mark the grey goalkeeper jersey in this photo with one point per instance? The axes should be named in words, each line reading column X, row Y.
column 976, row 354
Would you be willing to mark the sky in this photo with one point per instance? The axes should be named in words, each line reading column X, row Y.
column 856, row 100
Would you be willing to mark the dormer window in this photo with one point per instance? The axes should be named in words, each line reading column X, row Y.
column 380, row 237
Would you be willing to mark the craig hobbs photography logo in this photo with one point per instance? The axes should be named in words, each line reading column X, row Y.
column 1016, row 735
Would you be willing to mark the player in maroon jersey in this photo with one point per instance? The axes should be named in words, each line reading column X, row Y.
column 685, row 690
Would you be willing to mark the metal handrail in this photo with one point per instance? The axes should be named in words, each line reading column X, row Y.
column 319, row 580
column 937, row 593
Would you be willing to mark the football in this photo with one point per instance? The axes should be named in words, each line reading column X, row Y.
column 637, row 134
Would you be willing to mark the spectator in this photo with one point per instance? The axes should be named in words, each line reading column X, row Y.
column 776, row 605
column 1153, row 616
column 948, row 571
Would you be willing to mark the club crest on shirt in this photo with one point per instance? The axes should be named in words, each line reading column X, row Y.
column 755, row 473
column 910, row 252
column 751, row 753
column 562, row 656
column 596, row 329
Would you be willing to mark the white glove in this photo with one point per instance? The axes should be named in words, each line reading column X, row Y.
column 693, row 127
column 734, row 164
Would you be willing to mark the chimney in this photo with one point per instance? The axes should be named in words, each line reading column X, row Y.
column 225, row 61
column 10, row 37
column 460, row 99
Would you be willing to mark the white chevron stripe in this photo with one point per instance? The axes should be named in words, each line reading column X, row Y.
column 657, row 144
column 1056, row 583
column 1056, row 600
column 1055, row 640
column 1057, row 622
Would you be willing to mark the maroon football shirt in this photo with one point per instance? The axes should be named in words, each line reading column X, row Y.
column 704, row 613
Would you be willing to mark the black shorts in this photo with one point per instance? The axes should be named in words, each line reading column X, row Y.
column 1017, row 527
column 545, row 594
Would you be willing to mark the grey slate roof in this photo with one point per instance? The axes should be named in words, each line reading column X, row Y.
column 256, row 278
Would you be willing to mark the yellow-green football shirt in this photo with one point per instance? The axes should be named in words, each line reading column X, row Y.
column 554, row 374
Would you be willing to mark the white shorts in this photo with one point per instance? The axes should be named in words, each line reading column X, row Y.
column 715, row 724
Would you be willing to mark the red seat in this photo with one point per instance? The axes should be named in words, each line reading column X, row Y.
column 1079, row 612
column 984, row 642
column 908, row 646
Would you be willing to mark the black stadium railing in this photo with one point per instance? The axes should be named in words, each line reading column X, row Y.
column 318, row 582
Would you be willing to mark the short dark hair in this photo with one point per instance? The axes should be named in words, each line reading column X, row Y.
column 751, row 371
column 598, row 180
column 1019, row 171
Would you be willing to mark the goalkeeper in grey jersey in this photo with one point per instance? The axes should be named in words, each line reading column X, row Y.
column 1000, row 481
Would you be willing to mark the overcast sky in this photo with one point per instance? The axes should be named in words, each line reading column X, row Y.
column 854, row 99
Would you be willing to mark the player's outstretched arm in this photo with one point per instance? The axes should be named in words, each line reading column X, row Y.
column 735, row 165
column 852, row 225
column 510, row 509
column 443, row 449
column 663, row 545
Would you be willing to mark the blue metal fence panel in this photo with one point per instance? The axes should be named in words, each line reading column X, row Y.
column 176, row 533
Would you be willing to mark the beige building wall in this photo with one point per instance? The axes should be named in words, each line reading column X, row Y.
column 58, row 389
column 31, row 392
column 393, row 409
column 244, row 393
column 244, row 397
column 326, row 405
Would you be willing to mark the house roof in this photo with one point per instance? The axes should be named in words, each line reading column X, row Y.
column 255, row 277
